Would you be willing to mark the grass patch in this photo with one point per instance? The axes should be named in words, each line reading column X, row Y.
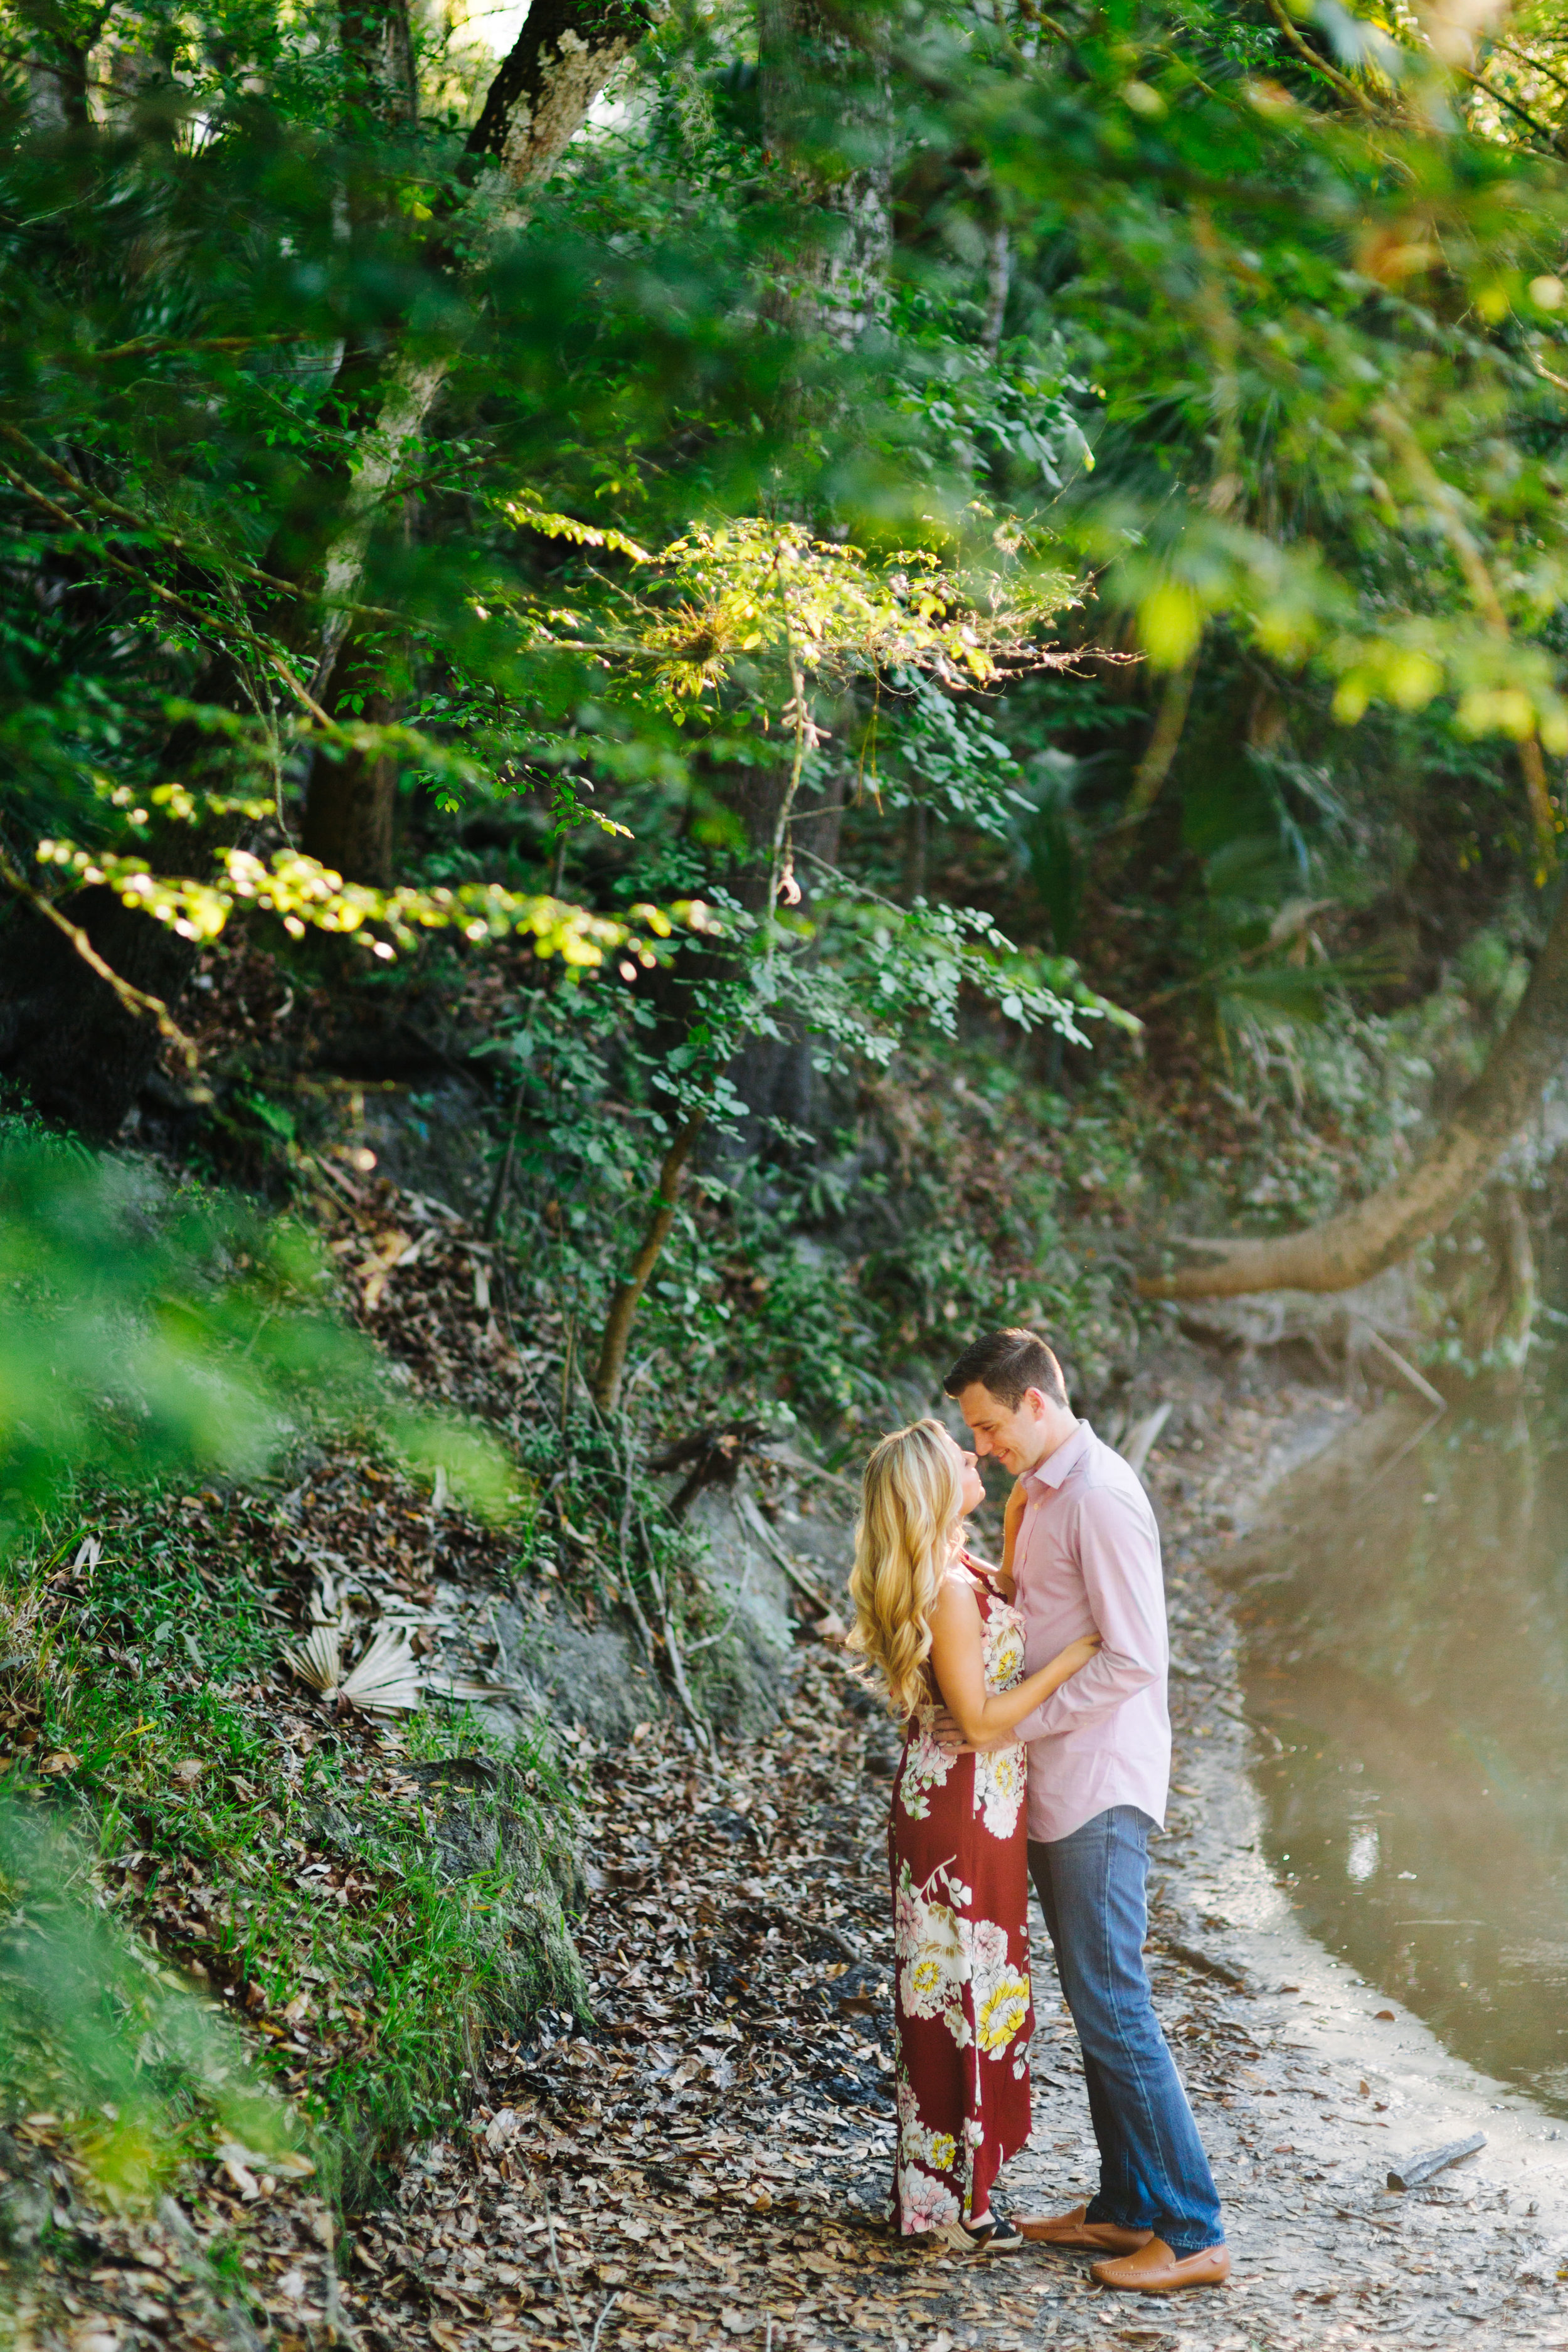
column 362, row 1907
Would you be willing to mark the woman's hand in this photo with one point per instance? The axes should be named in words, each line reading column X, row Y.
column 984, row 1718
column 1077, row 1654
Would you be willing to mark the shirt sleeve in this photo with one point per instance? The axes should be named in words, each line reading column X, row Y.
column 1119, row 1554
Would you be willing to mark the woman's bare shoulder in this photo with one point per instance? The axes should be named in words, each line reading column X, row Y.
column 956, row 1596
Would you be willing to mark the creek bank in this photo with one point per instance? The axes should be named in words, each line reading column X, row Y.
column 706, row 2166
column 1342, row 2080
column 705, row 2163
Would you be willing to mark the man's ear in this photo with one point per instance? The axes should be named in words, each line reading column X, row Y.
column 1038, row 1398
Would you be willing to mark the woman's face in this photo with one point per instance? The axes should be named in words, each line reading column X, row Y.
column 973, row 1485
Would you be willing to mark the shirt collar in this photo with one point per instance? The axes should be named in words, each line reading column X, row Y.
column 1056, row 1466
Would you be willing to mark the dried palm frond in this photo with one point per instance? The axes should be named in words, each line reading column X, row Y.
column 387, row 1680
column 318, row 1660
column 328, row 1603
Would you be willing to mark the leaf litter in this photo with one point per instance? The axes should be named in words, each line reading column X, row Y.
column 710, row 2162
column 704, row 2159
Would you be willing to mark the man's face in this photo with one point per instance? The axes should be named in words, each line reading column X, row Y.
column 1015, row 1436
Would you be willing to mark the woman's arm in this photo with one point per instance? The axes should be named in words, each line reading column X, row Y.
column 958, row 1658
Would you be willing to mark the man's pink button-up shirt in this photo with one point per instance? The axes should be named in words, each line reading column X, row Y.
column 1088, row 1561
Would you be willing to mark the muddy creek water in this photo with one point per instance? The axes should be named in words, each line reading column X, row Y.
column 1407, row 1650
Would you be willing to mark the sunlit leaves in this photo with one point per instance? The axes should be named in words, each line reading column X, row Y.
column 1266, row 268
column 735, row 597
column 305, row 895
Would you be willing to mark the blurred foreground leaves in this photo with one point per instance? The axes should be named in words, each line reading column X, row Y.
column 146, row 1335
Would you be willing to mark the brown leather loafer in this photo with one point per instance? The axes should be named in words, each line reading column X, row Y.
column 1155, row 2270
column 1075, row 2230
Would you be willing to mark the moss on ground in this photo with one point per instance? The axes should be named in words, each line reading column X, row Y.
column 365, row 1906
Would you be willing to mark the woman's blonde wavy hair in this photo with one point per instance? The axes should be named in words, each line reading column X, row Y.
column 911, row 1508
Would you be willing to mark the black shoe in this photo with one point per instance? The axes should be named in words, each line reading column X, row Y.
column 995, row 2235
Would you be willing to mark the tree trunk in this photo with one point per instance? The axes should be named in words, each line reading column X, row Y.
column 60, row 42
column 351, row 803
column 65, row 1039
column 540, row 99
column 378, row 48
column 998, row 283
column 611, row 1367
column 351, row 797
column 775, row 1077
column 826, row 110
column 1387, row 1225
column 1500, row 1324
column 826, row 107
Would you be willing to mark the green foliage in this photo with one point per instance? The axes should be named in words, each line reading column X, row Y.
column 152, row 1696
column 704, row 633
column 142, row 1332
column 147, row 1336
column 1275, row 367
column 95, row 2030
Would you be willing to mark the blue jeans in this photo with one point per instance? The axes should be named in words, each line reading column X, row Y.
column 1154, row 2174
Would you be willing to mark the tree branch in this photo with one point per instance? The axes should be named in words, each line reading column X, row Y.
column 136, row 1001
column 216, row 558
column 1491, row 91
column 1319, row 64
column 233, row 629
column 1387, row 1225
column 612, row 1363
column 1444, row 501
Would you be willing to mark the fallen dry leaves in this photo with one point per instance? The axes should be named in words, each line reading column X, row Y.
column 710, row 2164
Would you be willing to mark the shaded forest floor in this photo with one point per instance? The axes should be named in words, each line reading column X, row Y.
column 706, row 2165
column 709, row 2167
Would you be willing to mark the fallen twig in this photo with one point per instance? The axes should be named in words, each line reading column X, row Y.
column 688, row 1705
column 1412, row 2170
column 746, row 1505
column 709, row 1639
column 599, row 2323
column 1349, row 2213
column 820, row 1927
column 1207, row 1964
column 567, row 2295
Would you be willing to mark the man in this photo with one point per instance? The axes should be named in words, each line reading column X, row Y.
column 1086, row 1558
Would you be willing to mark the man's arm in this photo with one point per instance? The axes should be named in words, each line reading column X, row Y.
column 1119, row 1555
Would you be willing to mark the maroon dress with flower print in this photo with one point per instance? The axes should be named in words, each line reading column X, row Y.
column 956, row 1844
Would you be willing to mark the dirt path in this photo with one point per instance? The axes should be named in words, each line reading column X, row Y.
column 708, row 2167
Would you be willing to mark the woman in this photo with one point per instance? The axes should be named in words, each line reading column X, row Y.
column 936, row 1622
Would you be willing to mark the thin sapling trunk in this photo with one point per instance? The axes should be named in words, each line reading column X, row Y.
column 612, row 1365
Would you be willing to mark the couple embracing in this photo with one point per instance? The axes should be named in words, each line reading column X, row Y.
column 1038, row 1746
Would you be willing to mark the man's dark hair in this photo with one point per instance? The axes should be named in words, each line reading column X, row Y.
column 1007, row 1363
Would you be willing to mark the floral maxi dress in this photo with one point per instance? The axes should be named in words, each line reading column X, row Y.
column 961, row 2000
